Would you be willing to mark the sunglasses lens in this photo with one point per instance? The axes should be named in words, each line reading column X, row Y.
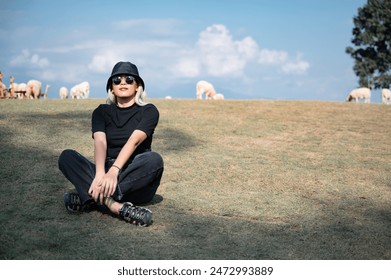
column 129, row 80
column 116, row 80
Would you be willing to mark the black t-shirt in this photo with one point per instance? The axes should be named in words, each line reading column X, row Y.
column 119, row 123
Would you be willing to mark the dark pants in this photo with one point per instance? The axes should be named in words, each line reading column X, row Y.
column 137, row 182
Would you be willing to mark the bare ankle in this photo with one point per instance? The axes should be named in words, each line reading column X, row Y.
column 113, row 205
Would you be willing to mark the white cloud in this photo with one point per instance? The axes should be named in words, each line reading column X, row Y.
column 281, row 58
column 26, row 59
column 247, row 48
column 101, row 63
column 299, row 66
column 272, row 57
column 218, row 54
column 221, row 55
column 188, row 67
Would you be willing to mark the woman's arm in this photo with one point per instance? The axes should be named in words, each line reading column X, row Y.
column 128, row 149
column 100, row 148
column 100, row 151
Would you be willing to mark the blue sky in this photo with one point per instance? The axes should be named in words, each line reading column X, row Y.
column 248, row 49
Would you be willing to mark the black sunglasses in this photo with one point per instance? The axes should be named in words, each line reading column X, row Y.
column 117, row 79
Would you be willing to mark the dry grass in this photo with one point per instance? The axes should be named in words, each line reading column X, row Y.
column 243, row 180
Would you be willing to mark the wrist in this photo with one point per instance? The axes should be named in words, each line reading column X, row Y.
column 99, row 175
column 115, row 167
column 99, row 171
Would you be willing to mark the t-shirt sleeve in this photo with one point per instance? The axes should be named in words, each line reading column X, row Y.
column 98, row 120
column 150, row 119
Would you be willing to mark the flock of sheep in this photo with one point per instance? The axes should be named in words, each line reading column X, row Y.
column 79, row 91
column 204, row 87
column 365, row 94
column 32, row 90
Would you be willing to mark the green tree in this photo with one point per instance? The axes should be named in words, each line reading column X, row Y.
column 372, row 40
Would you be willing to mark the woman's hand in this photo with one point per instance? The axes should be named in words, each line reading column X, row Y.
column 104, row 186
column 95, row 188
column 108, row 184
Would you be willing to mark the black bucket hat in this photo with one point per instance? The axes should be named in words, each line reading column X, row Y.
column 125, row 68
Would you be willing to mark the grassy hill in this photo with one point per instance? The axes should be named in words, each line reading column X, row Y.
column 242, row 180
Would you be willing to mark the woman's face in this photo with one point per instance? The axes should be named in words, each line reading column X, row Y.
column 124, row 86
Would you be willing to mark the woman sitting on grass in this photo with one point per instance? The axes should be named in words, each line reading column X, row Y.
column 126, row 171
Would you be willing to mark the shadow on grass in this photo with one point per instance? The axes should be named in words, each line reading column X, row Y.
column 173, row 140
column 202, row 236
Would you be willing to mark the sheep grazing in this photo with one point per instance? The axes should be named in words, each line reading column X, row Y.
column 218, row 96
column 204, row 87
column 360, row 93
column 33, row 89
column 63, row 93
column 386, row 96
column 81, row 90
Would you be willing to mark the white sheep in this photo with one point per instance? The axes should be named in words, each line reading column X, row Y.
column 204, row 87
column 360, row 93
column 386, row 96
column 63, row 93
column 33, row 89
column 81, row 90
column 218, row 96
